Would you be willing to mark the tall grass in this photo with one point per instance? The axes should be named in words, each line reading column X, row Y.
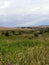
column 24, row 49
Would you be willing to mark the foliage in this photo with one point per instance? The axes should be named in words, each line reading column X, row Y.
column 36, row 34
column 7, row 33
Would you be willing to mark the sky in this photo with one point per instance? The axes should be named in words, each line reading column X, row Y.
column 23, row 13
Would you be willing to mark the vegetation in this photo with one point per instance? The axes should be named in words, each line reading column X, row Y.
column 24, row 47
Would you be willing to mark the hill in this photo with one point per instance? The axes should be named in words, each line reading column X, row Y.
column 7, row 28
column 24, row 28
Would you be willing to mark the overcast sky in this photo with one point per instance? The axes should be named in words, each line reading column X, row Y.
column 17, row 13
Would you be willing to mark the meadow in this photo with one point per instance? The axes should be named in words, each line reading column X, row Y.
column 24, row 47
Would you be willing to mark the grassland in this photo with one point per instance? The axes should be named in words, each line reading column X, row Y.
column 24, row 47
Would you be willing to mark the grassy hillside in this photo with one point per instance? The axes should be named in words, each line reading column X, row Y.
column 24, row 47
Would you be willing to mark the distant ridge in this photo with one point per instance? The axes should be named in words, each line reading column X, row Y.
column 24, row 28
column 6, row 28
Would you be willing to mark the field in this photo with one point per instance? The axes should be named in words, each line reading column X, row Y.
column 24, row 47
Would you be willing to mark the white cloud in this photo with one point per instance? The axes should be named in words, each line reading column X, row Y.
column 21, row 9
column 4, row 4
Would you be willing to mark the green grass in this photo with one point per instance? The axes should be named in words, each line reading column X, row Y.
column 24, row 49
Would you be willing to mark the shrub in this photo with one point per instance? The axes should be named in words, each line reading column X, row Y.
column 36, row 34
column 13, row 32
column 7, row 34
column 47, row 29
column 41, row 32
column 3, row 33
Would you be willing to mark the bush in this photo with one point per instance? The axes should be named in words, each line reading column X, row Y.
column 47, row 29
column 3, row 33
column 13, row 32
column 7, row 34
column 41, row 32
column 36, row 34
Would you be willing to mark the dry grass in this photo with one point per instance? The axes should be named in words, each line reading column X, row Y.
column 24, row 49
